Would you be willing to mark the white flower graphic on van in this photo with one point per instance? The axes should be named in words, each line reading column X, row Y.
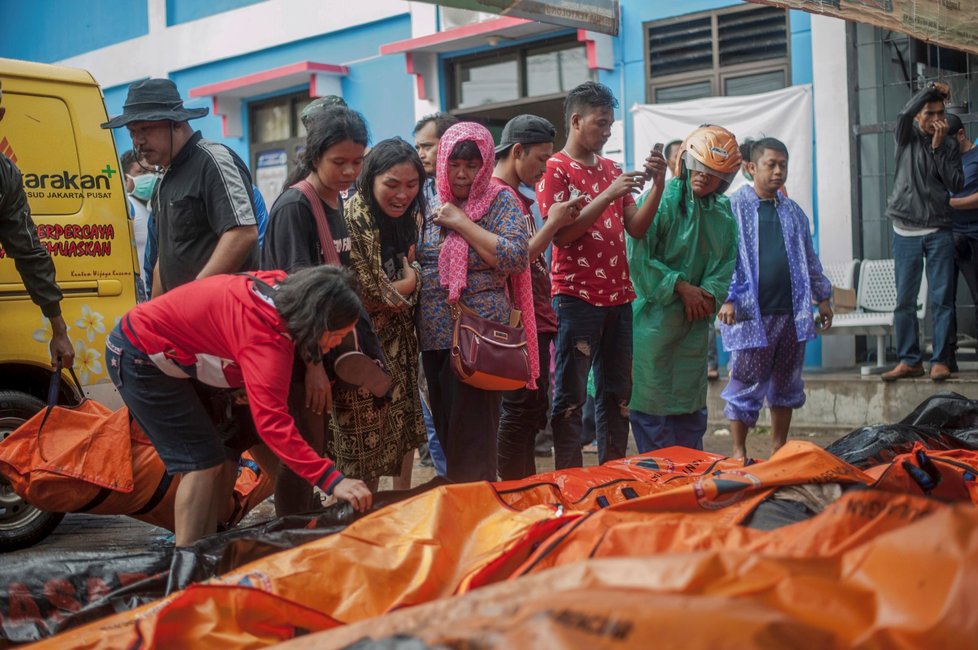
column 43, row 333
column 91, row 322
column 87, row 361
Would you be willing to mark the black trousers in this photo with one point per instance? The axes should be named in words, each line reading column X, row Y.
column 524, row 413
column 466, row 420
column 966, row 260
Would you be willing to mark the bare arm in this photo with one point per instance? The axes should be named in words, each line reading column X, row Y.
column 638, row 219
column 157, row 285
column 481, row 240
column 969, row 202
column 231, row 251
column 560, row 215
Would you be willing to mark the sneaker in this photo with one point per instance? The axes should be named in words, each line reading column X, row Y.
column 903, row 371
column 939, row 372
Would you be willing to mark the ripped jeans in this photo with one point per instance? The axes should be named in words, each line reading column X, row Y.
column 588, row 335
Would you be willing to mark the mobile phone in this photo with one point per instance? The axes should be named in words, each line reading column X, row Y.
column 656, row 149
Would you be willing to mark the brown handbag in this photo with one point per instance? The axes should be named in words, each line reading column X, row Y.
column 487, row 354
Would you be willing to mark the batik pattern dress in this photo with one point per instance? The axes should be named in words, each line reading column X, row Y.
column 370, row 440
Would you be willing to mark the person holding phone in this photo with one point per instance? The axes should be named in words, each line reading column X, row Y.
column 592, row 289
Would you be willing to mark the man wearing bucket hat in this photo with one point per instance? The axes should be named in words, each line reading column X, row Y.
column 203, row 207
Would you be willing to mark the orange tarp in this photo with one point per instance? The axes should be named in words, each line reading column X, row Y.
column 912, row 587
column 530, row 568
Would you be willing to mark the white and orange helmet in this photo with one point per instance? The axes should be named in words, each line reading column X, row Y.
column 711, row 149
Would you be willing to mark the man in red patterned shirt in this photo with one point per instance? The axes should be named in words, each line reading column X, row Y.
column 592, row 291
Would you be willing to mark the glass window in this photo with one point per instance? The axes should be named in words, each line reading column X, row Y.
column 753, row 84
column 272, row 122
column 743, row 49
column 684, row 92
column 488, row 83
column 555, row 72
column 297, row 107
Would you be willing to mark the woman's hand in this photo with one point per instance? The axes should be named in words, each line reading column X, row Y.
column 319, row 396
column 450, row 216
column 409, row 280
column 355, row 492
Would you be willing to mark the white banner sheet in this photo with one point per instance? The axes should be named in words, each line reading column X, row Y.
column 783, row 114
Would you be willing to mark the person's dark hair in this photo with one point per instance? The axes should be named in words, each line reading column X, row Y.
column 934, row 95
column 954, row 124
column 466, row 150
column 315, row 300
column 587, row 96
column 384, row 155
column 127, row 160
column 442, row 122
column 745, row 149
column 325, row 128
column 668, row 149
column 526, row 150
column 758, row 147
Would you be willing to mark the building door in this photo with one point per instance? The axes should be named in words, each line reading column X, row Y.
column 277, row 137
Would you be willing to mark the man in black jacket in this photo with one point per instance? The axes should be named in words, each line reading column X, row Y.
column 18, row 237
column 928, row 167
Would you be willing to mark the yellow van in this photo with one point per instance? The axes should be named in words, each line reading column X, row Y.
column 77, row 198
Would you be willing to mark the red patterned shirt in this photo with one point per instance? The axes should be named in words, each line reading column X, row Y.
column 593, row 267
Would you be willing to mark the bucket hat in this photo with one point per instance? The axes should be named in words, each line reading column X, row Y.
column 152, row 100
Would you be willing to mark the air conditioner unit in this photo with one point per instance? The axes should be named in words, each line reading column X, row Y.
column 452, row 18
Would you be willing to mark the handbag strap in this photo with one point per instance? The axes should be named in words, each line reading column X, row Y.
column 330, row 256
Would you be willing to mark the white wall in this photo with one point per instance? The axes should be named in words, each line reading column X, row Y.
column 832, row 150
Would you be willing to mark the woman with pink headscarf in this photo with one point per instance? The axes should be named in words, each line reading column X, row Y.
column 468, row 249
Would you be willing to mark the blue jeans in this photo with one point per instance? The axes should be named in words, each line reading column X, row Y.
column 660, row 431
column 434, row 447
column 908, row 257
column 588, row 335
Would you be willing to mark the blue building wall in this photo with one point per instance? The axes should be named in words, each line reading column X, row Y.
column 52, row 30
column 183, row 11
column 376, row 86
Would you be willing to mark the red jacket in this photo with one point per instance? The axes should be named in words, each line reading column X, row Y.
column 220, row 331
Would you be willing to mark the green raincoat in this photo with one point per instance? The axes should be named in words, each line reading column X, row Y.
column 700, row 247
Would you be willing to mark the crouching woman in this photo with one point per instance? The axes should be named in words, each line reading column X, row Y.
column 230, row 331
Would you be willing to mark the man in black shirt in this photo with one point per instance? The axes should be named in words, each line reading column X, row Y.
column 202, row 207
column 18, row 237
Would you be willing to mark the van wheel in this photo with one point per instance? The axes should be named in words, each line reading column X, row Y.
column 21, row 524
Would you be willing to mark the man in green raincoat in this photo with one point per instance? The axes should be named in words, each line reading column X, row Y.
column 681, row 270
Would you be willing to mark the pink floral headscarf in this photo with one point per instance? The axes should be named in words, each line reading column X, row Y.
column 453, row 260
